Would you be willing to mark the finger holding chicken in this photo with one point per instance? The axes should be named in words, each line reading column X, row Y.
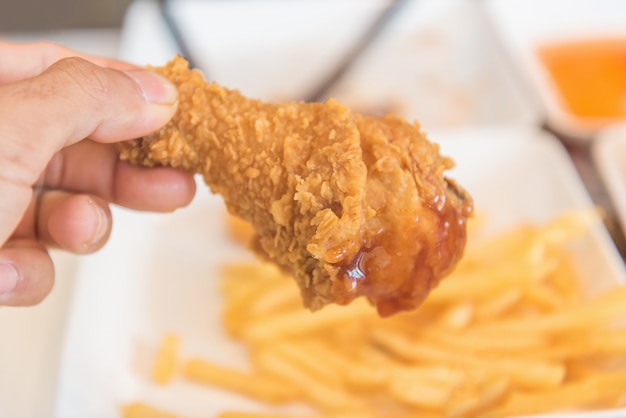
column 350, row 205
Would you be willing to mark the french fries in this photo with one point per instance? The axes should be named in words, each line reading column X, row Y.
column 252, row 385
column 510, row 332
column 165, row 364
column 140, row 410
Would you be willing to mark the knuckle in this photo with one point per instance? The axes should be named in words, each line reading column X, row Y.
column 86, row 77
column 70, row 78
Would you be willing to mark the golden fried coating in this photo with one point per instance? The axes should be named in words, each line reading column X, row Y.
column 351, row 205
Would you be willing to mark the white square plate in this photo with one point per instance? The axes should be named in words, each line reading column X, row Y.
column 523, row 25
column 434, row 60
column 268, row 49
column 158, row 273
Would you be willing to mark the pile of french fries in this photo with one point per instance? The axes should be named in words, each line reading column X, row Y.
column 509, row 333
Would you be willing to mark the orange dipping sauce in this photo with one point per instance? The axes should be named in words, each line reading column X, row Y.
column 590, row 76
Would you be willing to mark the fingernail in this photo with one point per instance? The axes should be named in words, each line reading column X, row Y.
column 155, row 88
column 102, row 224
column 8, row 277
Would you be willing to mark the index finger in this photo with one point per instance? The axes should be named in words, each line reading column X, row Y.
column 21, row 61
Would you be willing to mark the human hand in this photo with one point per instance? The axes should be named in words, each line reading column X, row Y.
column 59, row 169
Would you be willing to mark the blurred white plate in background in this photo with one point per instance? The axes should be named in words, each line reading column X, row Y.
column 434, row 62
column 523, row 25
column 270, row 49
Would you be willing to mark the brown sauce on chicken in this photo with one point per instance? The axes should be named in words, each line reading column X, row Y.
column 397, row 275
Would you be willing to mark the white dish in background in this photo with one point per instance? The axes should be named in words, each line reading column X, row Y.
column 434, row 61
column 609, row 154
column 158, row 274
column 523, row 25
column 438, row 64
column 271, row 49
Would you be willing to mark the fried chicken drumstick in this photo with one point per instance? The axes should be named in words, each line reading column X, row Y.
column 350, row 205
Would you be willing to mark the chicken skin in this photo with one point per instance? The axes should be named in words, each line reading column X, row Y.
column 350, row 205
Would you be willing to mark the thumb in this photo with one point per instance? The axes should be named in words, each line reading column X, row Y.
column 71, row 100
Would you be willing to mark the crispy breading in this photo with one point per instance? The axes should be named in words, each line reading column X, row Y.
column 351, row 205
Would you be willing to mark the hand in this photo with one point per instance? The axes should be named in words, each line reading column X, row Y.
column 59, row 170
